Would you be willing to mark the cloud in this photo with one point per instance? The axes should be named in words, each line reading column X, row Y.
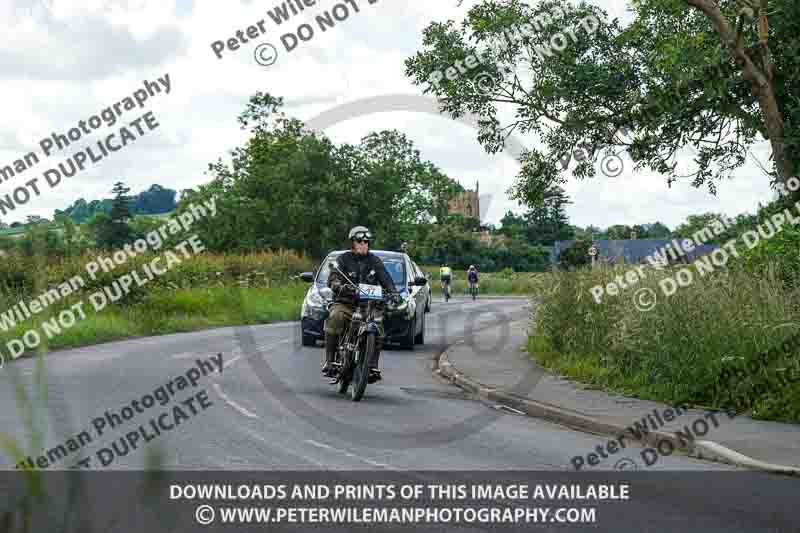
column 68, row 61
column 83, row 48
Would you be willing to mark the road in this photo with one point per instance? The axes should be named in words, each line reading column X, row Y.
column 271, row 410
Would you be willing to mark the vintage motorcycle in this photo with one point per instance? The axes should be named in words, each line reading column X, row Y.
column 358, row 344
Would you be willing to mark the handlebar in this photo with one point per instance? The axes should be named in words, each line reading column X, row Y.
column 332, row 266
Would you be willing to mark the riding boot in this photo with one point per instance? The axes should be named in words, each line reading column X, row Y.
column 374, row 372
column 331, row 343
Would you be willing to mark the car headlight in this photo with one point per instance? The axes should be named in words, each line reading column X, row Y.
column 315, row 299
column 314, row 303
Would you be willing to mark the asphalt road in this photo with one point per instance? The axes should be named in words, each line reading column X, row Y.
column 271, row 410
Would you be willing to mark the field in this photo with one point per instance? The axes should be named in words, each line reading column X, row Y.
column 490, row 283
column 206, row 291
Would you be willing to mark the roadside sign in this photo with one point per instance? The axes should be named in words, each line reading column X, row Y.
column 593, row 251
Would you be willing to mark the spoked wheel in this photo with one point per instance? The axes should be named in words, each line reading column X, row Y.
column 344, row 383
column 344, row 377
column 361, row 368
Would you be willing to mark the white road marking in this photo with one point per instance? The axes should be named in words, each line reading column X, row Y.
column 233, row 404
column 290, row 451
column 348, row 454
column 229, row 363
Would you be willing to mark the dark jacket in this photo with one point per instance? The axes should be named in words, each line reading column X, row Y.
column 359, row 269
column 472, row 276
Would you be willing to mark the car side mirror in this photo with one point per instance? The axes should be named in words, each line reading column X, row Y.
column 420, row 281
column 307, row 276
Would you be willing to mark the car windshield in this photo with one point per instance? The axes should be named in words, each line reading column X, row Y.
column 394, row 265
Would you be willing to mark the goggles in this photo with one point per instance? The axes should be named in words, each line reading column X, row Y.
column 362, row 236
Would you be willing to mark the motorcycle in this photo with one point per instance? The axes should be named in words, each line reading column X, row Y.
column 358, row 344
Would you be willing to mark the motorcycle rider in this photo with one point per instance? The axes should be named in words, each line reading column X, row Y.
column 359, row 266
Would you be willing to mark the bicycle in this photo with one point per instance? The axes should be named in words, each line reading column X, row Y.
column 446, row 289
column 473, row 290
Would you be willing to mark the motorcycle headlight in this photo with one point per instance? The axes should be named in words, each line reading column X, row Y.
column 401, row 307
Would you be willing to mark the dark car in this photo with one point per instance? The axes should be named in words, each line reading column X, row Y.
column 404, row 325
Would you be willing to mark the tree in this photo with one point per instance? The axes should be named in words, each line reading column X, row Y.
column 512, row 226
column 153, row 201
column 292, row 188
column 120, row 209
column 619, row 232
column 112, row 230
column 758, row 68
column 547, row 222
column 656, row 230
column 576, row 255
column 678, row 76
column 699, row 224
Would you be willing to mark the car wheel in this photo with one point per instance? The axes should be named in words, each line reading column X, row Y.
column 408, row 339
column 420, row 338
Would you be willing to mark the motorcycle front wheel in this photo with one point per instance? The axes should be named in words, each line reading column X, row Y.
column 361, row 367
column 345, row 374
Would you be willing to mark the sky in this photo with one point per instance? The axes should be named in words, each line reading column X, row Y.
column 66, row 60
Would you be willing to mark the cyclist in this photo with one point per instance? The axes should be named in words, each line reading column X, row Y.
column 472, row 277
column 445, row 276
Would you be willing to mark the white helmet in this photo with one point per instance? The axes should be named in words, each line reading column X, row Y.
column 360, row 232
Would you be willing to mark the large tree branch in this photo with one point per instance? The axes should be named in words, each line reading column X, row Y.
column 760, row 80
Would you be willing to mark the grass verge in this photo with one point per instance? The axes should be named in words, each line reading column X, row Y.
column 719, row 343
column 162, row 312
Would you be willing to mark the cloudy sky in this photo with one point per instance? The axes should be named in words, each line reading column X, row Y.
column 66, row 60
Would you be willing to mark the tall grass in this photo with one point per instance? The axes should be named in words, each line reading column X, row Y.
column 678, row 350
column 491, row 283
column 203, row 291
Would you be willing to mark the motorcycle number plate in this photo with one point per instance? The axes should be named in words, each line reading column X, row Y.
column 370, row 292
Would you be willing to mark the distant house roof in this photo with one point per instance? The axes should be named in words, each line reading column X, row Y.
column 633, row 251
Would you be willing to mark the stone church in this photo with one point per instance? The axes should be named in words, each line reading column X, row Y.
column 466, row 203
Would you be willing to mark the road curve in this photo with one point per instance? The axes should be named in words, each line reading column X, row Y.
column 411, row 421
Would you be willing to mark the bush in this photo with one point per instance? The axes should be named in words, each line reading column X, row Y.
column 576, row 255
column 777, row 256
column 678, row 350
